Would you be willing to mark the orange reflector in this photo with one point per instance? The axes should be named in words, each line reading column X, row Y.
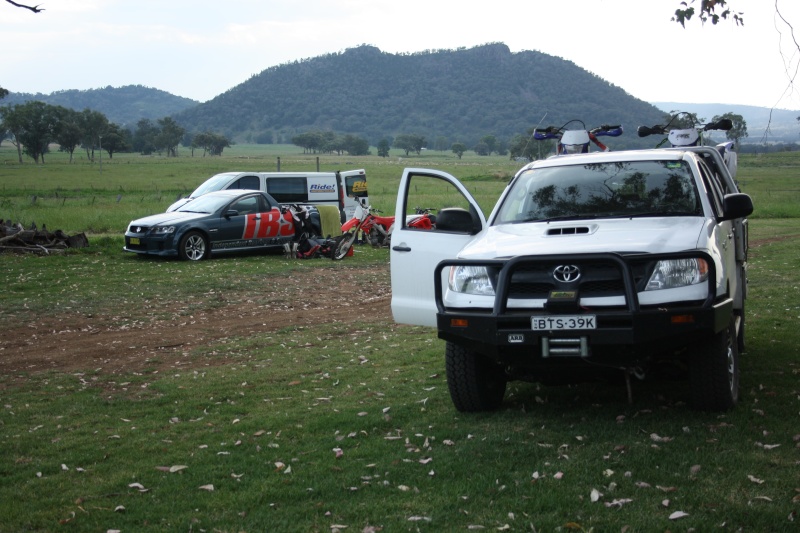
column 459, row 322
column 682, row 319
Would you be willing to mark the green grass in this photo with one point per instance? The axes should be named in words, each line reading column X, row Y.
column 261, row 417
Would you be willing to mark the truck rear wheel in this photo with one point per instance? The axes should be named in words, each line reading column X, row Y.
column 714, row 372
column 476, row 383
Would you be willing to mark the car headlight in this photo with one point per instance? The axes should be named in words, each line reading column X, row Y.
column 163, row 230
column 674, row 273
column 470, row 280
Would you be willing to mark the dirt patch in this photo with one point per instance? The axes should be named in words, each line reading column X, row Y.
column 77, row 343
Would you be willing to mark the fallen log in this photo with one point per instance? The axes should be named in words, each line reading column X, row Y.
column 15, row 238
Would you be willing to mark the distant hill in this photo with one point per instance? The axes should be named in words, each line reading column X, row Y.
column 461, row 95
column 124, row 105
column 783, row 124
column 458, row 95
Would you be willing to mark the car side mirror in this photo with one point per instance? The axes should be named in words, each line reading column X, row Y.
column 231, row 213
column 457, row 220
column 737, row 205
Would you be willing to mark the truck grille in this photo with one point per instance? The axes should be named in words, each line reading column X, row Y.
column 597, row 279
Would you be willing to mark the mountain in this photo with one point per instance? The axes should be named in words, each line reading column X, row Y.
column 782, row 123
column 461, row 95
column 124, row 105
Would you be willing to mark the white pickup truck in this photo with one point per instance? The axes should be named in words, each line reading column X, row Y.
column 594, row 265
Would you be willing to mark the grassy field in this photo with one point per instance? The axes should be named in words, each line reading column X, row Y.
column 349, row 426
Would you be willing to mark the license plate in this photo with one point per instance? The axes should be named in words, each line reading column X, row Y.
column 563, row 322
column 135, row 240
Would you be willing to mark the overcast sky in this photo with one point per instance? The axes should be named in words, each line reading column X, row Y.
column 200, row 49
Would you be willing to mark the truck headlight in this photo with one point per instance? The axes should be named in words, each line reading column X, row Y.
column 469, row 279
column 674, row 273
column 163, row 230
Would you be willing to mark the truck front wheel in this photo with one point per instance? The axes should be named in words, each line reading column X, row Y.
column 476, row 383
column 714, row 372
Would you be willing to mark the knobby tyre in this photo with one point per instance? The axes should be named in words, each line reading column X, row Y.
column 714, row 371
column 343, row 246
column 476, row 382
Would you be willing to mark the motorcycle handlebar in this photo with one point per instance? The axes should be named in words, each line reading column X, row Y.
column 724, row 124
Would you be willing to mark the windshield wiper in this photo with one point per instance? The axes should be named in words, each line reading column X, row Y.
column 566, row 217
column 656, row 214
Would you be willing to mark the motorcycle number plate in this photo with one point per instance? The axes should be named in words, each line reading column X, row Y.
column 563, row 322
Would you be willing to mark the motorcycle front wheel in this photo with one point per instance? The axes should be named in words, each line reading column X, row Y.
column 345, row 242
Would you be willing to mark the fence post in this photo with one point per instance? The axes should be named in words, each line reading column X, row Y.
column 279, row 163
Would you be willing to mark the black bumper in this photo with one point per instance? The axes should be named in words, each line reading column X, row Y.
column 622, row 335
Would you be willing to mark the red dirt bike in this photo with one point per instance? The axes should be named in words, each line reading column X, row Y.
column 377, row 229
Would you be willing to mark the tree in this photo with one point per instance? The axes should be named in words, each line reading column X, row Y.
column 34, row 9
column 211, row 143
column 739, row 129
column 710, row 10
column 458, row 149
column 12, row 123
column 144, row 138
column 34, row 125
column 410, row 142
column 116, row 139
column 491, row 143
column 482, row 148
column 383, row 147
column 69, row 133
column 93, row 124
column 169, row 136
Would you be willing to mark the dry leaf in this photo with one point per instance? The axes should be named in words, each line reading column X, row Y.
column 209, row 488
column 618, row 503
column 755, row 479
column 177, row 468
column 656, row 438
column 678, row 514
column 595, row 495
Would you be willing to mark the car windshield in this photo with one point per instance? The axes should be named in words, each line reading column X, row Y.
column 602, row 190
column 214, row 183
column 205, row 204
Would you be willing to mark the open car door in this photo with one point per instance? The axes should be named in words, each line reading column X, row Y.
column 416, row 252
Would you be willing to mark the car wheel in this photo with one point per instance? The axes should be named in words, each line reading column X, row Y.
column 476, row 383
column 714, row 371
column 343, row 245
column 193, row 246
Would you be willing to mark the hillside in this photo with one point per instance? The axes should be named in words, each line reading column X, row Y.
column 459, row 94
column 124, row 105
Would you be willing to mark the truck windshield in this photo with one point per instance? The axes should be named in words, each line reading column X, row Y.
column 602, row 190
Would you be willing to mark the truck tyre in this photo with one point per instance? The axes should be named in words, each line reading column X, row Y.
column 714, row 371
column 476, row 383
column 193, row 246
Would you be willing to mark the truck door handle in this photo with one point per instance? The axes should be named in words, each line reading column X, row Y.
column 401, row 248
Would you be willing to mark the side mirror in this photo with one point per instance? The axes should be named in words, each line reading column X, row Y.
column 231, row 213
column 737, row 205
column 457, row 220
